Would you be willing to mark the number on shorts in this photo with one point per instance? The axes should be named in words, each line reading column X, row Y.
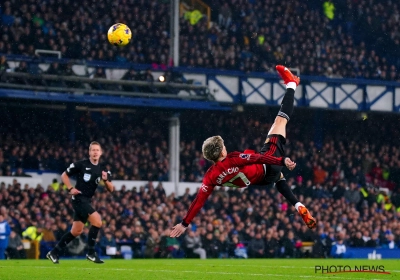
column 239, row 175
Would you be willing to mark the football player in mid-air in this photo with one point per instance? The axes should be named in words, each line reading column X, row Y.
column 243, row 169
column 88, row 174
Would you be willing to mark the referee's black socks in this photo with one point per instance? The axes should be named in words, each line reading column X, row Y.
column 285, row 190
column 93, row 232
column 68, row 237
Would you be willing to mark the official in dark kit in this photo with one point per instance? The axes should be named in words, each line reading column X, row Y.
column 88, row 173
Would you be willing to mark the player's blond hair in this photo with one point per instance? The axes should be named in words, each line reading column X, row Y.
column 94, row 143
column 212, row 148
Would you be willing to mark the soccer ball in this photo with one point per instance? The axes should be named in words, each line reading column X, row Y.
column 119, row 34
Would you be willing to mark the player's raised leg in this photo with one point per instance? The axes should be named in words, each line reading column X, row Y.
column 279, row 128
column 291, row 81
column 284, row 189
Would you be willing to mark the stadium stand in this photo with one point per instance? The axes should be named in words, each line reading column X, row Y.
column 146, row 213
column 349, row 177
column 245, row 35
column 137, row 153
column 127, row 142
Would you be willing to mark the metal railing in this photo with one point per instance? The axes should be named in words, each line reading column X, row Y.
column 45, row 82
column 57, row 53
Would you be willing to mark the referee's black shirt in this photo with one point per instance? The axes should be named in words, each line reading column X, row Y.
column 87, row 175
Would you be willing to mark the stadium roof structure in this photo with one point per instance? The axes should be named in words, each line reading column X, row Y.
column 200, row 88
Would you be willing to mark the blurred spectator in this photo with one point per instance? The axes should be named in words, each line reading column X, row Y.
column 320, row 175
column 238, row 248
column 62, row 229
column 339, row 248
column 329, row 9
column 357, row 240
column 373, row 242
column 222, row 246
column 290, row 246
column 323, row 245
column 138, row 241
column 172, row 246
column 48, row 235
column 147, row 76
column 58, row 70
column 55, row 69
column 4, row 236
column 271, row 246
column 130, row 75
column 256, row 247
column 33, row 232
column 108, row 244
column 20, row 173
column 15, row 249
column 99, row 73
column 55, row 185
column 352, row 195
column 210, row 245
column 3, row 66
column 390, row 243
column 193, row 244
column 22, row 68
column 225, row 16
column 152, row 245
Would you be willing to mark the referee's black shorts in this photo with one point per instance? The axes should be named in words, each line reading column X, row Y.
column 82, row 208
column 273, row 146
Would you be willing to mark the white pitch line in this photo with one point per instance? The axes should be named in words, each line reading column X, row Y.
column 192, row 271
column 244, row 265
column 253, row 265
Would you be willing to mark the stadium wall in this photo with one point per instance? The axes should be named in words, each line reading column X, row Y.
column 31, row 182
column 45, row 179
column 372, row 253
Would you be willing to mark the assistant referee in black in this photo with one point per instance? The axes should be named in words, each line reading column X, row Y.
column 88, row 174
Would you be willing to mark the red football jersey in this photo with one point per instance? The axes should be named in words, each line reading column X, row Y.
column 237, row 170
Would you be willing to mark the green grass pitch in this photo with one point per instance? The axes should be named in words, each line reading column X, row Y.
column 191, row 269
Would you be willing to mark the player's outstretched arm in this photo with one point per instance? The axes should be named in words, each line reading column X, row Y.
column 177, row 230
column 197, row 204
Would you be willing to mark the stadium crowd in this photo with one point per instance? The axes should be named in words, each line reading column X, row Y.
column 341, row 177
column 254, row 223
column 137, row 153
column 134, row 152
column 359, row 40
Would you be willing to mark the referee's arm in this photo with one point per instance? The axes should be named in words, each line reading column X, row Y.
column 65, row 179
column 71, row 170
column 106, row 177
